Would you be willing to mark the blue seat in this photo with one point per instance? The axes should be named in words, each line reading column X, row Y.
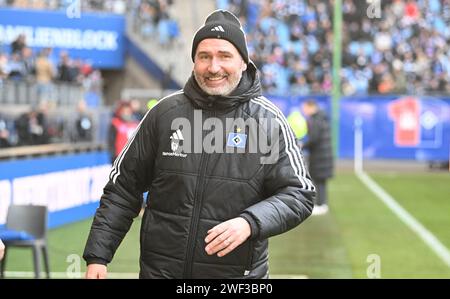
column 11, row 235
column 26, row 226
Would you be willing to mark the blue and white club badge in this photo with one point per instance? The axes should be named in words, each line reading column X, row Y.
column 236, row 140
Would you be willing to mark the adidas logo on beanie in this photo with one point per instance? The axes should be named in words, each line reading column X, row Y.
column 222, row 24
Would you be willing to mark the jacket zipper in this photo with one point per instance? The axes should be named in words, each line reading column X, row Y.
column 248, row 266
column 198, row 203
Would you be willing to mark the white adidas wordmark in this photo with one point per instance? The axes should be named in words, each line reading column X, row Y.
column 218, row 28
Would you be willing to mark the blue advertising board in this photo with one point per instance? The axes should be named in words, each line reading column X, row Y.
column 69, row 185
column 394, row 127
column 95, row 38
column 397, row 127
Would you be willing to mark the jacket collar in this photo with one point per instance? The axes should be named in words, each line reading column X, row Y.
column 249, row 87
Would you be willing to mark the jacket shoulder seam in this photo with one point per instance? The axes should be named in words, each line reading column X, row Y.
column 174, row 107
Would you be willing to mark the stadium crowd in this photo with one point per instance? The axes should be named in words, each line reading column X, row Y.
column 406, row 50
column 42, row 70
column 21, row 63
column 113, row 6
column 45, row 69
column 151, row 18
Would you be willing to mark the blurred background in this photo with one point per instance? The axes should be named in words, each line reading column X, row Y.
column 75, row 74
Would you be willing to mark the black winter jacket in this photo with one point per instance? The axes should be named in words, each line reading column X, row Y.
column 189, row 193
column 320, row 160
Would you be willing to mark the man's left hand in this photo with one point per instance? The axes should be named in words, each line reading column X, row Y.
column 2, row 250
column 226, row 236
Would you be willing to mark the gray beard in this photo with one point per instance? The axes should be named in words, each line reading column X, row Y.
column 224, row 90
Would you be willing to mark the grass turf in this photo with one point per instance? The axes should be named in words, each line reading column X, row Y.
column 335, row 245
column 368, row 227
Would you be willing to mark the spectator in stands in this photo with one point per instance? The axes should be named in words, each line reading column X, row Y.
column 387, row 84
column 123, row 125
column 3, row 67
column 93, row 5
column 116, row 6
column 16, row 68
column 29, row 63
column 320, row 159
column 66, row 73
column 399, row 77
column 18, row 44
column 44, row 75
column 93, row 85
column 204, row 219
column 32, row 127
column 300, row 86
column 4, row 133
column 83, row 124
column 85, row 68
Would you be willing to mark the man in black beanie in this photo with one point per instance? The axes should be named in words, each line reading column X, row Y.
column 221, row 32
column 222, row 24
column 212, row 203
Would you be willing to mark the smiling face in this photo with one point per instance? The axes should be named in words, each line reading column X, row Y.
column 218, row 66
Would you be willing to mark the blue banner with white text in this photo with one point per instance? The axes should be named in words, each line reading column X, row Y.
column 95, row 38
column 69, row 185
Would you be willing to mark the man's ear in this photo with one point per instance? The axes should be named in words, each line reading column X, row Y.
column 244, row 66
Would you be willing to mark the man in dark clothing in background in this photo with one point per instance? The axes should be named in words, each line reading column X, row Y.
column 320, row 151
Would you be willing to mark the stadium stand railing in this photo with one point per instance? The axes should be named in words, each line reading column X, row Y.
column 22, row 92
column 22, row 152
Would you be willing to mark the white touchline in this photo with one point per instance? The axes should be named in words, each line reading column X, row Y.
column 439, row 249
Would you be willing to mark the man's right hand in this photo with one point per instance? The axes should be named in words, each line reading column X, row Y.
column 96, row 271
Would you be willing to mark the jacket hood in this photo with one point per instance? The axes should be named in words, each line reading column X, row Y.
column 249, row 87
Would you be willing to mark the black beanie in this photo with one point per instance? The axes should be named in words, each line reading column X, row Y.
column 222, row 24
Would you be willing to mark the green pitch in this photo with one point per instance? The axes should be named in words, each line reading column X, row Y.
column 336, row 245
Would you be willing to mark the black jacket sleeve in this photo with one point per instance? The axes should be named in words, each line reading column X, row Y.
column 290, row 192
column 122, row 197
